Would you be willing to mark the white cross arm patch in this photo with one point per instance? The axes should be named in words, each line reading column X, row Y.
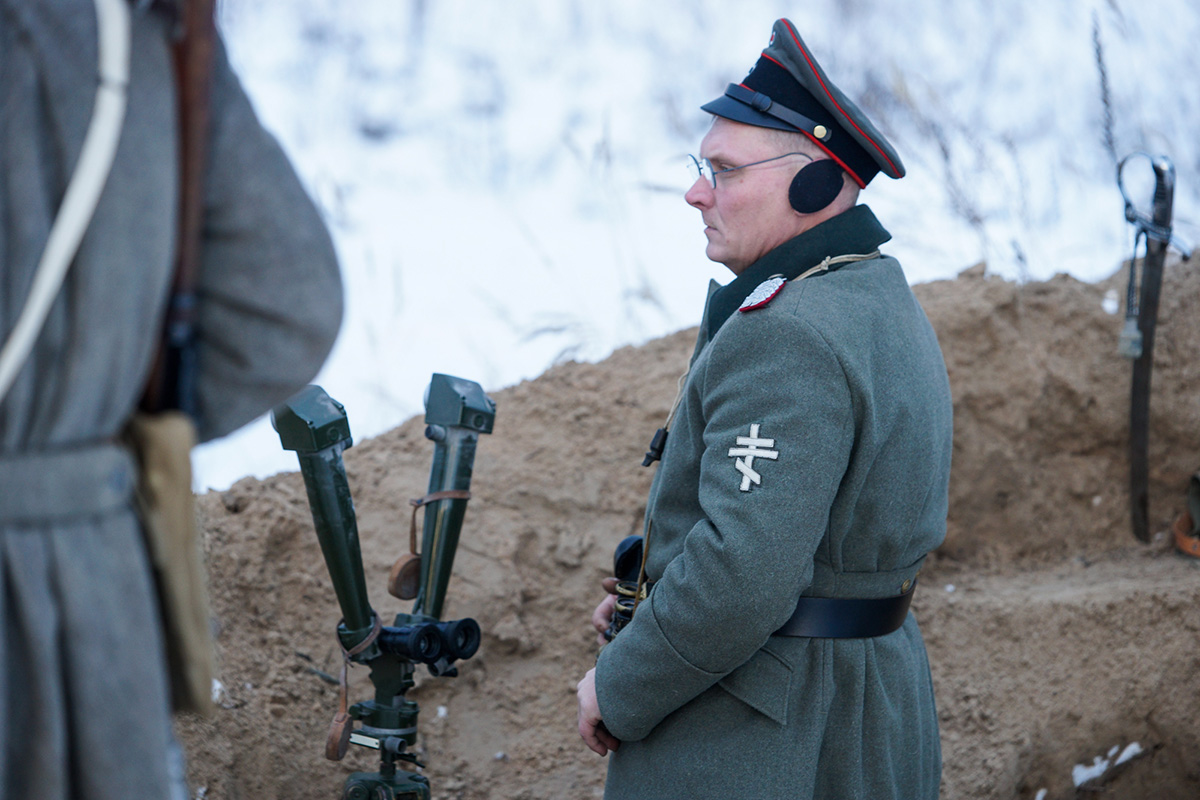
column 749, row 448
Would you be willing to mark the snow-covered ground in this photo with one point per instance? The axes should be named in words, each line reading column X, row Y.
column 504, row 181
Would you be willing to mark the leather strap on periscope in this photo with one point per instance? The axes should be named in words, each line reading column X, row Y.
column 338, row 741
column 848, row 617
column 448, row 494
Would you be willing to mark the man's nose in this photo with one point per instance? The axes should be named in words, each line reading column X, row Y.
column 700, row 195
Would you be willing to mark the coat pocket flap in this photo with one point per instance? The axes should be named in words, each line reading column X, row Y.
column 763, row 683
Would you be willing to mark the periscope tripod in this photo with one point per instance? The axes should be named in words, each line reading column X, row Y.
column 315, row 426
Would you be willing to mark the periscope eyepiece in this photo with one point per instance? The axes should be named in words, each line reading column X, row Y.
column 460, row 638
column 420, row 643
column 433, row 643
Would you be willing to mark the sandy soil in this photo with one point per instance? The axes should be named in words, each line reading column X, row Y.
column 1054, row 636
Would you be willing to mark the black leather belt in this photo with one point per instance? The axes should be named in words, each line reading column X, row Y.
column 847, row 617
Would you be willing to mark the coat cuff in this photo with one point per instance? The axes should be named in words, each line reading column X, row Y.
column 641, row 678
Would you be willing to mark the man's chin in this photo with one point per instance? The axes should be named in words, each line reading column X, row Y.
column 721, row 256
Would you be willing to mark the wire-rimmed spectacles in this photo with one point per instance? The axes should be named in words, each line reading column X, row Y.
column 703, row 168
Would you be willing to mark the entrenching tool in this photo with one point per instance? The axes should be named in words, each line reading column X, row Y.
column 315, row 426
column 1141, row 314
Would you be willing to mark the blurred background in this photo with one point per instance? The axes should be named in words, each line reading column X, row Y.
column 504, row 181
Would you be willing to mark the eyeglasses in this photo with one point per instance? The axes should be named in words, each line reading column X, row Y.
column 703, row 168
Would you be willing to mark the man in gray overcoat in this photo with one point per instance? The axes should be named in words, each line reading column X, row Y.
column 84, row 700
column 803, row 481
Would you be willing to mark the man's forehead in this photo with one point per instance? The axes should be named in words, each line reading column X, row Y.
column 734, row 140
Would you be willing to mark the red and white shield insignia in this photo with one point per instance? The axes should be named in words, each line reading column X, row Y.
column 764, row 293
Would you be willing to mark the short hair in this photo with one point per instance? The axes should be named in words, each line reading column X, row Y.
column 796, row 142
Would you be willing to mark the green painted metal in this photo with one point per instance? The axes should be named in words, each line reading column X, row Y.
column 373, row 786
column 457, row 412
column 315, row 426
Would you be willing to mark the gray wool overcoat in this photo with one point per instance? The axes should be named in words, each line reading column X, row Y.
column 84, row 705
column 841, row 378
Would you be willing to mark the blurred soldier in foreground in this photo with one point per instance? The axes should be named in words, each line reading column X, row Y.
column 84, row 698
column 803, row 482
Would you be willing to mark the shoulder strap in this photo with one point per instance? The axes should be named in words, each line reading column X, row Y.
column 83, row 190
column 172, row 379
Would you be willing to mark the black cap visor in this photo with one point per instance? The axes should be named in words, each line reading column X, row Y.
column 725, row 106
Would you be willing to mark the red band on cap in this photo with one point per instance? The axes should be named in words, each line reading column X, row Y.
column 861, row 183
column 813, row 67
column 817, row 142
column 769, row 58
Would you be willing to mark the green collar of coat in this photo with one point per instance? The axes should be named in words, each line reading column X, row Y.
column 853, row 231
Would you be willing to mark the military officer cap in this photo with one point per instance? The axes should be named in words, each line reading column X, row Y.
column 788, row 90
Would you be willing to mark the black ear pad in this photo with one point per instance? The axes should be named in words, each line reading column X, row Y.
column 815, row 186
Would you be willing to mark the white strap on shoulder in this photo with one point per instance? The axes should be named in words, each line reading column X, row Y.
column 83, row 192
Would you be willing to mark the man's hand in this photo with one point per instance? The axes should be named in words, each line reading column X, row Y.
column 591, row 727
column 602, row 616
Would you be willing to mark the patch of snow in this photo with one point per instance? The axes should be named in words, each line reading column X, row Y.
column 1132, row 750
column 1081, row 774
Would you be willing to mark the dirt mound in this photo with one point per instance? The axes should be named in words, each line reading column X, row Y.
column 1054, row 637
column 1041, row 414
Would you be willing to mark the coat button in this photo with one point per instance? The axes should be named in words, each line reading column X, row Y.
column 904, row 587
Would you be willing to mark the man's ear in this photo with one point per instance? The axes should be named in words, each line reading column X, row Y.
column 815, row 186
